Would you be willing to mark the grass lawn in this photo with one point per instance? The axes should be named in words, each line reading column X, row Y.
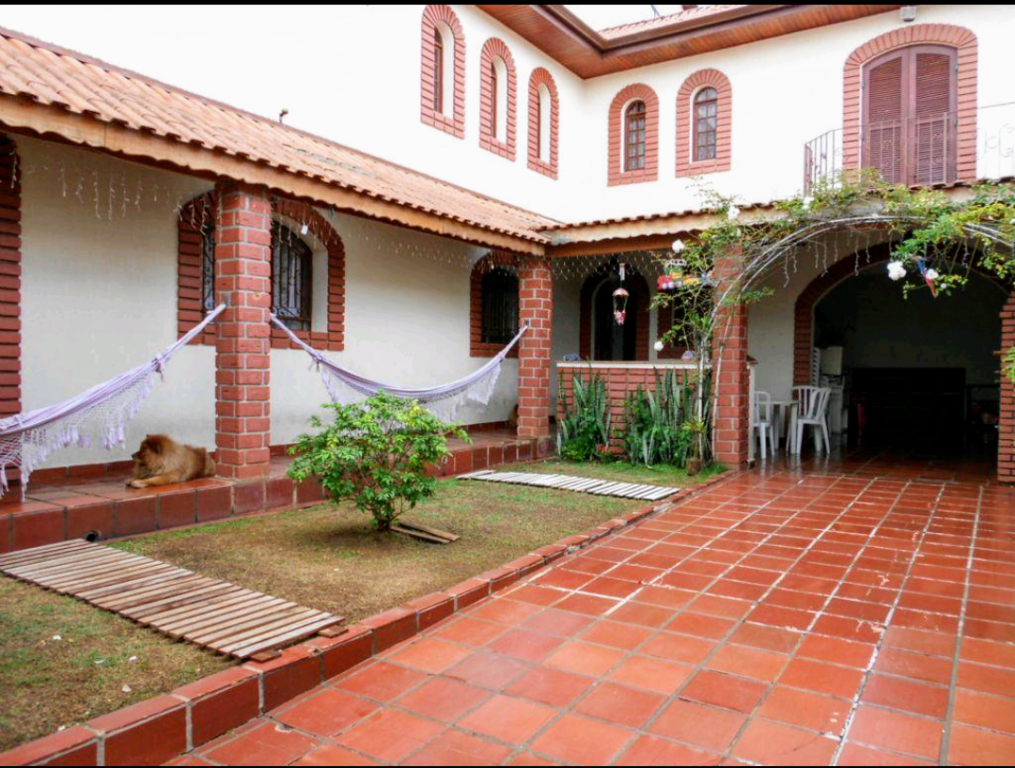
column 47, row 683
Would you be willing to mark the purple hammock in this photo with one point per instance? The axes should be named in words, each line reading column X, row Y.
column 99, row 414
column 347, row 387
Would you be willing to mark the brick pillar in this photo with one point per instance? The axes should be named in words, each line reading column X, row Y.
column 242, row 362
column 1006, row 423
column 10, row 280
column 731, row 428
column 536, row 308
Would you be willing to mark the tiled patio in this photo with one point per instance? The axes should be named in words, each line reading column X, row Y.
column 840, row 613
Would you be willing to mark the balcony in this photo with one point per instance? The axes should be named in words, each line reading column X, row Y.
column 923, row 151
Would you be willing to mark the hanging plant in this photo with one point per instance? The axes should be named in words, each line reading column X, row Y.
column 620, row 297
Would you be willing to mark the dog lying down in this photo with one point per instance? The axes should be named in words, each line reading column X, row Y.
column 161, row 461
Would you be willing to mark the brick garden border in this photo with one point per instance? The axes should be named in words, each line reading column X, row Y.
column 159, row 729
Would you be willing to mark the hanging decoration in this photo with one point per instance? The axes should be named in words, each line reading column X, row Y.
column 929, row 276
column 620, row 297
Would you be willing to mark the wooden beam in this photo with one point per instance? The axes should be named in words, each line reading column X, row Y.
column 22, row 115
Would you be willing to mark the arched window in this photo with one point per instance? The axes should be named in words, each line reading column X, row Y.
column 442, row 71
column 208, row 267
column 497, row 85
column 438, row 71
column 292, row 284
column 634, row 136
column 500, row 306
column 543, row 122
column 704, row 123
column 706, row 104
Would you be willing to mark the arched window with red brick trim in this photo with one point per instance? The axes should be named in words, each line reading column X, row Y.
column 544, row 121
column 704, row 124
column 442, row 70
column 497, row 96
column 634, row 136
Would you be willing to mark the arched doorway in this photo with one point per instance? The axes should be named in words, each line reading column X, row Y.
column 601, row 338
column 916, row 373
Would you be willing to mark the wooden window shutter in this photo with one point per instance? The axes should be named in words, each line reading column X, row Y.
column 933, row 130
column 884, row 117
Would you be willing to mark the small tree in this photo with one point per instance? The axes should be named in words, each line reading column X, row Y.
column 375, row 453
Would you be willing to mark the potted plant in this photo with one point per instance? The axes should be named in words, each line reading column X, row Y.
column 698, row 432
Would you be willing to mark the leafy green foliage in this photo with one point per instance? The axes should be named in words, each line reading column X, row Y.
column 583, row 432
column 655, row 421
column 375, row 453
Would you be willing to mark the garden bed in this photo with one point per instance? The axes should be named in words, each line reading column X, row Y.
column 326, row 557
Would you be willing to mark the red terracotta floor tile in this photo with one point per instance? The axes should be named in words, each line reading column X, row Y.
column 765, row 638
column 443, row 699
column 332, row 755
column 726, row 607
column 857, row 754
column 916, row 666
column 806, row 710
column 666, row 597
column 431, row 655
column 836, row 651
column 531, row 593
column 822, row 678
column 587, row 605
column 488, row 670
column 527, row 758
column 457, row 748
column 550, row 686
column 382, row 681
column 776, row 744
column 985, row 711
column 696, row 724
column 701, row 625
column 326, row 712
column 973, row 746
column 652, row 674
column 650, row 750
column 524, row 644
column 906, row 695
column 505, row 611
column 267, row 744
column 616, row 635
column 724, row 691
column 390, row 735
column 895, row 731
column 986, row 679
column 622, row 705
column 642, row 614
column 508, row 719
column 470, row 632
column 558, row 622
column 748, row 662
column 672, row 647
column 584, row 658
column 987, row 652
column 576, row 739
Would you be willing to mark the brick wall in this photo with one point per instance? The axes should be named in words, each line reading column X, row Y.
column 242, row 359
column 1006, row 426
column 731, row 427
column 10, row 280
column 536, row 309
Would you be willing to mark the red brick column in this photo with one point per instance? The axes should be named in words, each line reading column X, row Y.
column 10, row 280
column 729, row 354
column 1006, row 423
column 536, row 308
column 242, row 362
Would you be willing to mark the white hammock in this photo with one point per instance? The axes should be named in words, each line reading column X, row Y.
column 347, row 387
column 98, row 415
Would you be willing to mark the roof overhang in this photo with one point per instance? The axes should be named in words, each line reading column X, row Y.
column 588, row 53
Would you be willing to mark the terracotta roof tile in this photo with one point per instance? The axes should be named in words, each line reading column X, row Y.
column 702, row 11
column 82, row 85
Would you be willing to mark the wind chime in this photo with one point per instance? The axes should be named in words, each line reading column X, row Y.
column 620, row 297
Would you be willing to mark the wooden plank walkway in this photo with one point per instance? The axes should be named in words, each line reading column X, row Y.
column 174, row 601
column 578, row 484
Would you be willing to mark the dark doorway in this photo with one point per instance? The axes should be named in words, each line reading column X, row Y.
column 612, row 341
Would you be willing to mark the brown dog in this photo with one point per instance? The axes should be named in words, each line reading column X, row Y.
column 161, row 460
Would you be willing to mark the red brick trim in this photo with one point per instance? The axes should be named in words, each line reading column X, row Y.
column 477, row 348
column 10, row 279
column 189, row 310
column 541, row 77
column 493, row 49
column 321, row 230
column 617, row 175
column 638, row 288
column 455, row 125
column 959, row 38
column 704, row 78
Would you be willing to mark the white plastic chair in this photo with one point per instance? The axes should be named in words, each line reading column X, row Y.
column 763, row 422
column 813, row 411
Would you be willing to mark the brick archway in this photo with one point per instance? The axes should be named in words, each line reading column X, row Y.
column 803, row 341
column 638, row 288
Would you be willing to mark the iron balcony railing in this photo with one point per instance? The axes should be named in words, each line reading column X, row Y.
column 919, row 151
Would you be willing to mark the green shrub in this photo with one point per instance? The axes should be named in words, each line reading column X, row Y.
column 583, row 433
column 375, row 453
column 660, row 426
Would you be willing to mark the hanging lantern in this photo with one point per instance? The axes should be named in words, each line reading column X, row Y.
column 620, row 297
